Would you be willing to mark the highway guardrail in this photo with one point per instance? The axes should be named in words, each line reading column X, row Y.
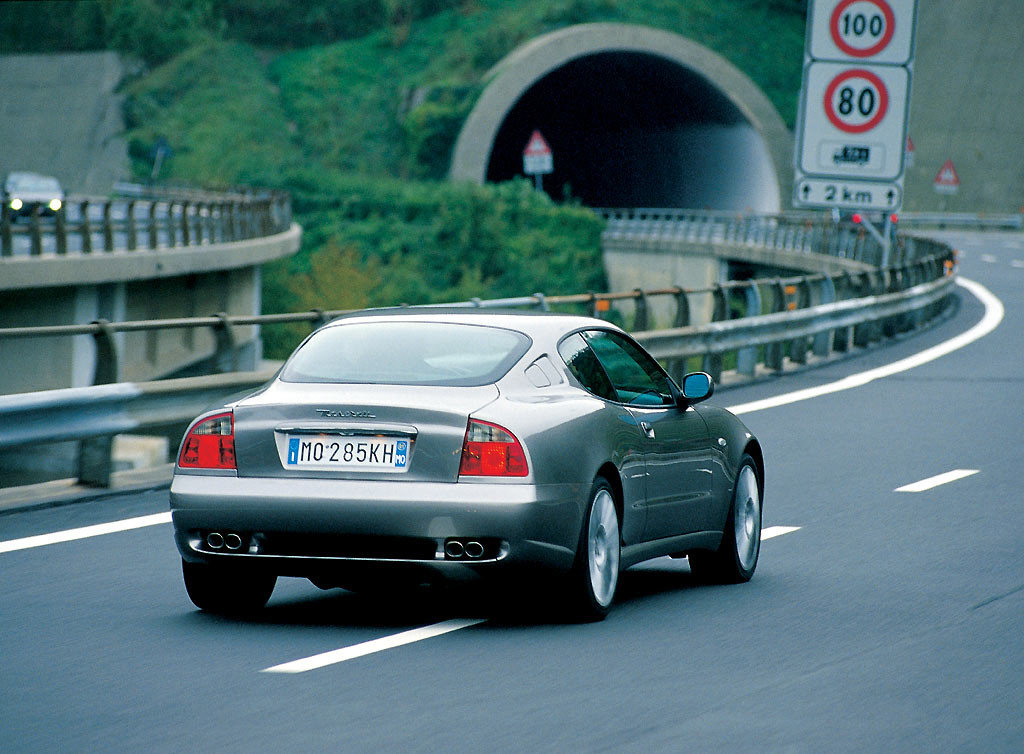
column 768, row 323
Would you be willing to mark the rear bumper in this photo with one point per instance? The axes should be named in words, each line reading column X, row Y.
column 386, row 525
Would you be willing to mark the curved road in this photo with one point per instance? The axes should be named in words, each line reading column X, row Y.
column 891, row 619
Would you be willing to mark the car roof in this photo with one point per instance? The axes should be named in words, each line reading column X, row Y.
column 532, row 323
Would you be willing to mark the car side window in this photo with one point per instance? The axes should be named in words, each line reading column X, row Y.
column 585, row 367
column 635, row 376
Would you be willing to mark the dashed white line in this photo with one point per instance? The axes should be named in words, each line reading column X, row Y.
column 989, row 258
column 1018, row 263
column 335, row 656
column 935, row 481
column 84, row 532
column 777, row 531
column 370, row 647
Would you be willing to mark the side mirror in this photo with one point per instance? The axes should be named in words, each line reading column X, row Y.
column 697, row 386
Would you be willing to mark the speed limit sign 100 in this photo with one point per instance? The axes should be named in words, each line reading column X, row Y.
column 854, row 120
column 876, row 31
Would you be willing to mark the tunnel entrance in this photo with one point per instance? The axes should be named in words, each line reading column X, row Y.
column 635, row 117
column 635, row 130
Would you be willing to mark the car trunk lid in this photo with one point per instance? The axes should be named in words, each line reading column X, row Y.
column 374, row 432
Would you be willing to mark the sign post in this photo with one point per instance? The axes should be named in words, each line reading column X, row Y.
column 537, row 159
column 852, row 129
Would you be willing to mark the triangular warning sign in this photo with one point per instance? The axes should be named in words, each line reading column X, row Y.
column 536, row 145
column 947, row 175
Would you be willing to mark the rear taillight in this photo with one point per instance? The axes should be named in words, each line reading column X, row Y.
column 490, row 450
column 210, row 444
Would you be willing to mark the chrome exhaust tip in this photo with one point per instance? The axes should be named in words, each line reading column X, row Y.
column 232, row 541
column 474, row 550
column 214, row 540
column 453, row 548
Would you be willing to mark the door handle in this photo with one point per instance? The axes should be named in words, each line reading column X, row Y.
column 648, row 429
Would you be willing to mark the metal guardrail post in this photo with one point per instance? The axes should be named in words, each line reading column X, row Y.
column 172, row 230
column 841, row 335
column 864, row 334
column 85, row 227
column 37, row 236
column 226, row 354
column 746, row 358
column 108, row 228
column 154, row 235
column 61, row 231
column 798, row 346
column 542, row 302
column 822, row 342
column 96, row 454
column 774, row 353
column 641, row 314
column 133, row 236
column 6, row 238
column 186, row 236
column 713, row 361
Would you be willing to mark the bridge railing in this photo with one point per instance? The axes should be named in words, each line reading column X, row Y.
column 90, row 225
column 764, row 325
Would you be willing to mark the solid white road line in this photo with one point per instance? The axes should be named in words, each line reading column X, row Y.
column 935, row 481
column 989, row 322
column 993, row 316
column 84, row 532
column 377, row 645
column 777, row 531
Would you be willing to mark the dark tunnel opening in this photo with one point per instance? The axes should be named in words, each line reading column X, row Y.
column 636, row 130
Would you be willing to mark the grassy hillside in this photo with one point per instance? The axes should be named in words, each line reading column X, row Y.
column 354, row 107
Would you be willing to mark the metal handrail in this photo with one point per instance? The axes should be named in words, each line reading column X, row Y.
column 104, row 224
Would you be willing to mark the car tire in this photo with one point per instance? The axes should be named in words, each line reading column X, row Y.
column 735, row 559
column 595, row 573
column 225, row 590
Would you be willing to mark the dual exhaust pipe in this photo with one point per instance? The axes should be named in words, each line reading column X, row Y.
column 458, row 549
column 231, row 542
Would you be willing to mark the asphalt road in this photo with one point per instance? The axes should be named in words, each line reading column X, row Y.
column 889, row 621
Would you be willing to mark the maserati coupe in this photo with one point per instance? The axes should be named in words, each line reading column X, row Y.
column 420, row 445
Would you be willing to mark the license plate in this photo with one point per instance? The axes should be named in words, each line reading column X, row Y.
column 360, row 453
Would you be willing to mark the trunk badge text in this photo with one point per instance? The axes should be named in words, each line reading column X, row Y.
column 329, row 414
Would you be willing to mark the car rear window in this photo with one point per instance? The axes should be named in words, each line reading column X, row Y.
column 407, row 353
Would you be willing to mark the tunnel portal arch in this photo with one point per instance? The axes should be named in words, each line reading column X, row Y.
column 636, row 117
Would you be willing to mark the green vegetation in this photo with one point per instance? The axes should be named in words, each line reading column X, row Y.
column 354, row 108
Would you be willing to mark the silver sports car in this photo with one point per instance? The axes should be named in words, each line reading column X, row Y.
column 427, row 444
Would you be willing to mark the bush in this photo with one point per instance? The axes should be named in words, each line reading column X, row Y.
column 384, row 243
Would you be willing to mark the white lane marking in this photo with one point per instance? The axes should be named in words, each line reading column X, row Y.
column 989, row 258
column 343, row 654
column 376, row 645
column 1018, row 263
column 84, row 532
column 777, row 531
column 990, row 321
column 939, row 479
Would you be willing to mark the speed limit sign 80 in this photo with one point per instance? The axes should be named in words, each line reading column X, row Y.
column 853, row 115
